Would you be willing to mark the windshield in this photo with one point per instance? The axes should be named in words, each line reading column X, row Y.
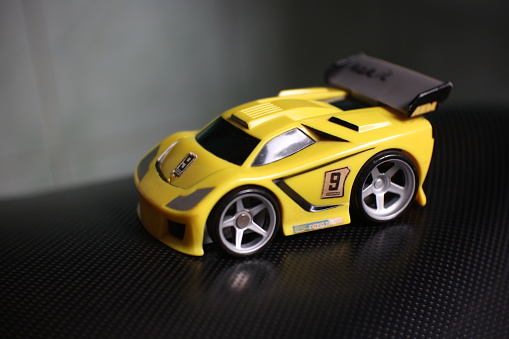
column 227, row 141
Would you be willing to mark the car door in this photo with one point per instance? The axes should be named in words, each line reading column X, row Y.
column 313, row 173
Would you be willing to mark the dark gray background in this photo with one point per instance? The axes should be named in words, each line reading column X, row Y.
column 87, row 87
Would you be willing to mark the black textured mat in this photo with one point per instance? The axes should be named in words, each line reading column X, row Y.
column 77, row 263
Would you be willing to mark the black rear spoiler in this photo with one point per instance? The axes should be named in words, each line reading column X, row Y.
column 403, row 89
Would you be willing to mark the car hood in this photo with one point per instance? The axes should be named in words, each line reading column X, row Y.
column 185, row 163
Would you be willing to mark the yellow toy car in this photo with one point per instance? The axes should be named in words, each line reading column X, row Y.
column 305, row 160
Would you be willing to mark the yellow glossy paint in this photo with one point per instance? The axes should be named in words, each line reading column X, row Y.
column 303, row 174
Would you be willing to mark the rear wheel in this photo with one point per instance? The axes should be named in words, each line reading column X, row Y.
column 244, row 221
column 385, row 186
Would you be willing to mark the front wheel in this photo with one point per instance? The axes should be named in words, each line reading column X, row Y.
column 385, row 186
column 244, row 221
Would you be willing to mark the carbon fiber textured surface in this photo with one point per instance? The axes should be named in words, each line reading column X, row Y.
column 77, row 263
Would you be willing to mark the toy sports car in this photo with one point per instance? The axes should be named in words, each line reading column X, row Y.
column 305, row 160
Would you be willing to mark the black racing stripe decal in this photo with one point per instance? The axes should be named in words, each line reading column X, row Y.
column 297, row 198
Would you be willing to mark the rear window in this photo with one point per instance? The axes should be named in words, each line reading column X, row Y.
column 349, row 103
column 227, row 141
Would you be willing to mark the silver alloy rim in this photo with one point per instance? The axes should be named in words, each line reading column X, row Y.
column 247, row 223
column 388, row 189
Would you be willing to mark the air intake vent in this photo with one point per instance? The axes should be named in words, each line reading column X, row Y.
column 177, row 230
column 261, row 110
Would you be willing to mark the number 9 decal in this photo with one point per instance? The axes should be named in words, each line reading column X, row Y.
column 334, row 183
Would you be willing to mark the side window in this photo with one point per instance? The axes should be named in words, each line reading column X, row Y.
column 283, row 146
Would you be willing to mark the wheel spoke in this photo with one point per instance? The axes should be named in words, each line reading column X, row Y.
column 380, row 202
column 257, row 229
column 228, row 221
column 393, row 170
column 239, row 234
column 257, row 209
column 368, row 191
column 239, row 205
column 396, row 189
column 375, row 173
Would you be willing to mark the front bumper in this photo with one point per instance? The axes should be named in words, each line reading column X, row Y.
column 179, row 231
column 177, row 217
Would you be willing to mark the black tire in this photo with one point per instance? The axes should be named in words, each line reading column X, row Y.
column 384, row 187
column 244, row 222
